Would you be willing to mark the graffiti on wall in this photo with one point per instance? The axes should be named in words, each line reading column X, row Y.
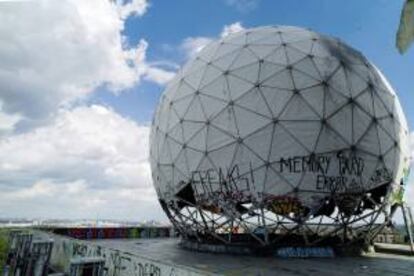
column 89, row 233
column 117, row 263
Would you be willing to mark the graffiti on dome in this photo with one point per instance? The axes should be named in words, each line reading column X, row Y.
column 300, row 164
column 380, row 175
column 224, row 184
column 225, row 190
column 334, row 172
column 337, row 172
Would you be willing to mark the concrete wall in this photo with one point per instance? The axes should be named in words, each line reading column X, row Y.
column 92, row 233
column 116, row 262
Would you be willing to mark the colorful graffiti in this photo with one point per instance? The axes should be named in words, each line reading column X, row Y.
column 91, row 233
column 305, row 252
column 285, row 205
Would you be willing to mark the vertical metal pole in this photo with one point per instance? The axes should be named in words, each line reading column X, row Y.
column 411, row 223
column 407, row 227
column 266, row 234
column 411, row 217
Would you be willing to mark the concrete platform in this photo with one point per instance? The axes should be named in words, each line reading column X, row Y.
column 170, row 252
column 400, row 249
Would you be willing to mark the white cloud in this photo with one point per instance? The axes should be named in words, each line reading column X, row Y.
column 193, row 45
column 243, row 5
column 60, row 158
column 232, row 28
column 134, row 7
column 56, row 53
column 158, row 75
column 90, row 160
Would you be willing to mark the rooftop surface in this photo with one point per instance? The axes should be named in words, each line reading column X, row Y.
column 169, row 251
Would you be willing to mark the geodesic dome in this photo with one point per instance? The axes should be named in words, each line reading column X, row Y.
column 275, row 131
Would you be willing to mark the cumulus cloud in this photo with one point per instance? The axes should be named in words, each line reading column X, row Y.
column 60, row 158
column 89, row 160
column 56, row 53
column 134, row 7
column 232, row 28
column 193, row 45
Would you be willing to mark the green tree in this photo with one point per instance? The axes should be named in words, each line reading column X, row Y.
column 405, row 34
column 3, row 249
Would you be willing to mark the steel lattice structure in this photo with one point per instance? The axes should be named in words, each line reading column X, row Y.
column 278, row 135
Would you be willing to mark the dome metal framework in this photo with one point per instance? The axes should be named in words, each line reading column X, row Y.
column 276, row 136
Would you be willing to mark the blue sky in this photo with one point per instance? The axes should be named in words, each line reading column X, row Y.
column 369, row 26
column 80, row 80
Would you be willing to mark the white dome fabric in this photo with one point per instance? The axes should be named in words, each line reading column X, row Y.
column 277, row 115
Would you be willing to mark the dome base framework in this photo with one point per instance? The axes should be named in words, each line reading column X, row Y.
column 329, row 248
column 259, row 231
